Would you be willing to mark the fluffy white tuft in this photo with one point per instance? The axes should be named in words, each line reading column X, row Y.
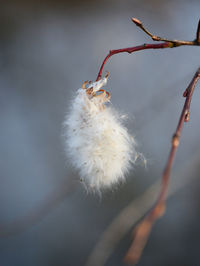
column 99, row 145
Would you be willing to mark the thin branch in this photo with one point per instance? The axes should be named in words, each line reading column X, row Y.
column 165, row 44
column 131, row 50
column 38, row 213
column 157, row 38
column 135, row 210
column 143, row 230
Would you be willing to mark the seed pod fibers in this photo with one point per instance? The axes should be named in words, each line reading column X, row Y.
column 98, row 144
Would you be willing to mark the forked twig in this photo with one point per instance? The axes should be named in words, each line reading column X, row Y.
column 165, row 44
column 157, row 38
column 143, row 230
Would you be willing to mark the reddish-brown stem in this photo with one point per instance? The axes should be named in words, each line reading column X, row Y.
column 174, row 42
column 131, row 50
column 143, row 230
column 165, row 44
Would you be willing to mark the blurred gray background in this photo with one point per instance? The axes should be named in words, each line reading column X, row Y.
column 47, row 49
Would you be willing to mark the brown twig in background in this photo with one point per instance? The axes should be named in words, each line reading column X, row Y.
column 174, row 43
column 136, row 209
column 166, row 44
column 41, row 211
column 143, row 230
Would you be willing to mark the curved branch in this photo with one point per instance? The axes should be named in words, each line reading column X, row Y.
column 165, row 44
column 131, row 50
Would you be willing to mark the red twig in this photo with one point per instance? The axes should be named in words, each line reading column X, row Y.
column 143, row 230
column 165, row 44
column 131, row 50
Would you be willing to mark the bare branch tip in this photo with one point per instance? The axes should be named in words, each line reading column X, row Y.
column 137, row 22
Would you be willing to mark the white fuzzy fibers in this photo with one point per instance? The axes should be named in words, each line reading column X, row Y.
column 99, row 145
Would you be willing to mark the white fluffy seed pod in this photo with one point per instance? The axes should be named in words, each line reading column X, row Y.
column 99, row 145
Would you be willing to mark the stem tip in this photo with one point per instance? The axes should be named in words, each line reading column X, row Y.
column 137, row 22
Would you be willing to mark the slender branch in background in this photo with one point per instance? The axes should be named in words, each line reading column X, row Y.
column 38, row 213
column 166, row 44
column 136, row 209
column 143, row 230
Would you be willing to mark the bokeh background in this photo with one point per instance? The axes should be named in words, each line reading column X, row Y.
column 47, row 49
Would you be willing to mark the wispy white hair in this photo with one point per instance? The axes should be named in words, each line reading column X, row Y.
column 99, row 146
